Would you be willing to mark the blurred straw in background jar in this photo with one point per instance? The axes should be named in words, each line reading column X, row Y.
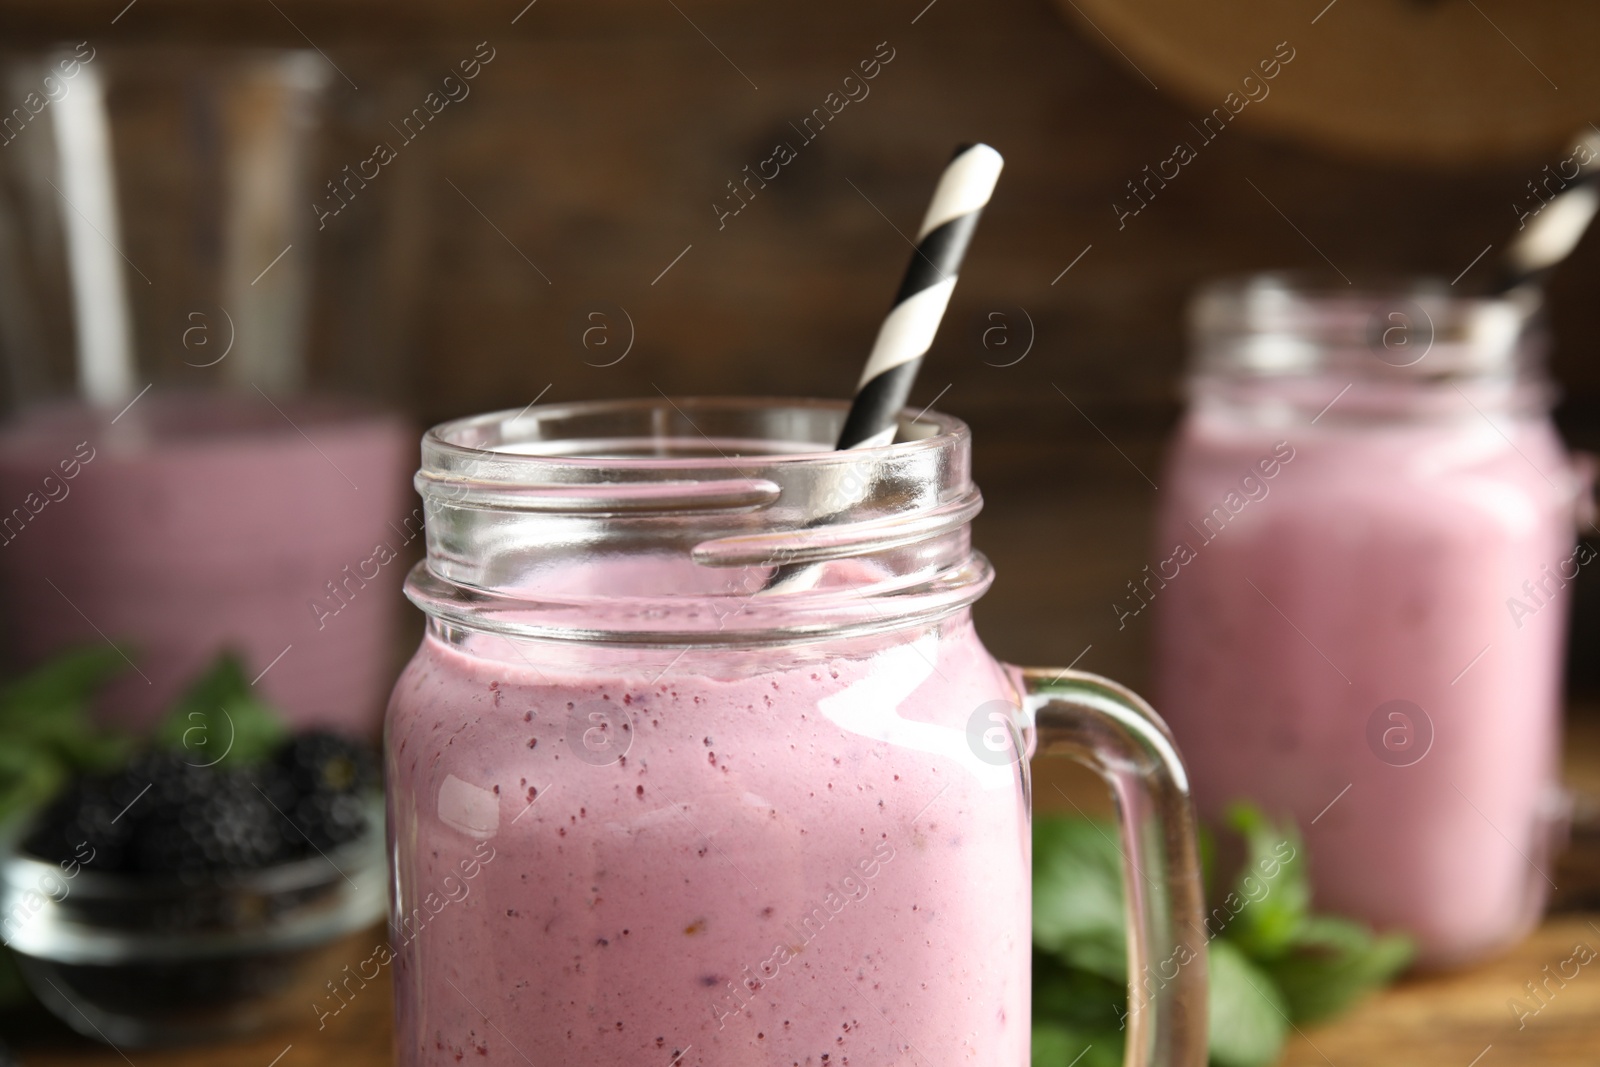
column 172, row 478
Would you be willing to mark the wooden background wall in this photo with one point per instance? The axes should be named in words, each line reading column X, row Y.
column 593, row 146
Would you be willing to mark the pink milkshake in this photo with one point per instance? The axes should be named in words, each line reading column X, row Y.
column 1359, row 606
column 645, row 809
column 198, row 522
column 768, row 875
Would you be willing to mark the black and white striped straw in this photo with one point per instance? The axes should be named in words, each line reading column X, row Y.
column 907, row 333
column 1550, row 236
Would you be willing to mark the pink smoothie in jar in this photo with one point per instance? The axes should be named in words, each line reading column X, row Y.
column 873, row 905
column 199, row 522
column 1366, row 528
column 647, row 807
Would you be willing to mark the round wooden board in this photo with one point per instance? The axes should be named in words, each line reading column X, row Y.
column 1422, row 81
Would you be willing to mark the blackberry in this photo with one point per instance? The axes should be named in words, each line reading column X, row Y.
column 318, row 762
column 222, row 823
column 83, row 825
column 162, row 815
column 331, row 819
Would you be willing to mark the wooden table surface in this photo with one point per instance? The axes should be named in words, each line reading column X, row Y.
column 1439, row 1021
column 1460, row 1019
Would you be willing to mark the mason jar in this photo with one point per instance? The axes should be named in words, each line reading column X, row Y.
column 1366, row 536
column 701, row 761
column 187, row 466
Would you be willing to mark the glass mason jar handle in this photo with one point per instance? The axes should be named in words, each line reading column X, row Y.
column 1112, row 731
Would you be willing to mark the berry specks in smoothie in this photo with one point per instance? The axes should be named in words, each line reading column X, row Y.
column 694, row 928
column 710, row 980
column 533, row 742
column 638, row 791
column 766, row 912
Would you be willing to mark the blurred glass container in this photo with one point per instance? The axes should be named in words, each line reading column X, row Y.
column 138, row 960
column 175, row 475
column 1366, row 530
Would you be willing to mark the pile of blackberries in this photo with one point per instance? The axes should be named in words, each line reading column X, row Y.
column 161, row 814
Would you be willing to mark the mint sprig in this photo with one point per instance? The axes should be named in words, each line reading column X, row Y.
column 47, row 735
column 1078, row 913
column 220, row 719
column 1273, row 963
column 45, row 732
column 1335, row 961
column 1247, row 1013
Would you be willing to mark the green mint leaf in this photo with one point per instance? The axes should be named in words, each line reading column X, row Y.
column 220, row 718
column 45, row 714
column 1333, row 963
column 29, row 776
column 59, row 688
column 1058, row 1045
column 87, row 748
column 1270, row 959
column 1077, row 895
column 1271, row 897
column 1066, row 995
column 1248, row 1015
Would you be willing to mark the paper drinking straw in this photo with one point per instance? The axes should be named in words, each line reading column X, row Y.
column 1551, row 235
column 94, row 261
column 907, row 332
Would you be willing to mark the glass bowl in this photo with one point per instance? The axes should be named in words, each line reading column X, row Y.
column 135, row 959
